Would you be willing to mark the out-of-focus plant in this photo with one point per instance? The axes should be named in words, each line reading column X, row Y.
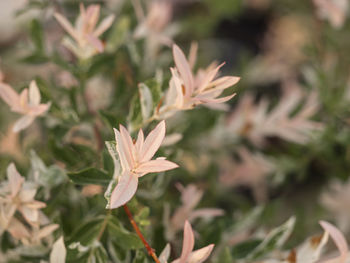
column 88, row 79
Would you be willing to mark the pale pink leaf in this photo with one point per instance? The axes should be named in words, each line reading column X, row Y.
column 219, row 100
column 30, row 215
column 22, row 123
column 209, row 77
column 47, row 230
column 104, row 25
column 34, row 94
column 139, row 141
column 15, row 179
column 39, row 109
column 224, row 83
column 59, row 252
column 155, row 166
column 206, row 213
column 339, row 241
column 192, row 57
column 127, row 143
column 125, row 189
column 9, row 96
column 184, row 69
column 164, row 255
column 91, row 17
column 67, row 26
column 153, row 142
column 200, row 255
column 124, row 155
column 188, row 243
column 23, row 100
column 95, row 42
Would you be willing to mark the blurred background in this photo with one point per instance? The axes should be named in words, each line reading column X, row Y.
column 282, row 143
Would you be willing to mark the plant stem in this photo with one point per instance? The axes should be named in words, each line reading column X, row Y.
column 103, row 227
column 138, row 232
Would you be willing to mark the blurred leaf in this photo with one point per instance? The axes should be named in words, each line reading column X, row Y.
column 119, row 33
column 124, row 238
column 90, row 176
column 244, row 249
column 97, row 254
column 140, row 257
column 135, row 113
column 142, row 217
column 225, row 256
column 146, row 101
column 37, row 35
column 155, row 88
column 46, row 176
column 36, row 58
column 112, row 119
column 87, row 232
column 274, row 240
column 112, row 149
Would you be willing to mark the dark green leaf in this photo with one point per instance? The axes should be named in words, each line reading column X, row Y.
column 90, row 176
column 123, row 237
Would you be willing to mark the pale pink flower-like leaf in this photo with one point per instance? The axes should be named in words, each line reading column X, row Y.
column 46, row 230
column 188, row 243
column 187, row 254
column 15, row 179
column 184, row 70
column 155, row 166
column 200, row 255
column 104, row 25
column 85, row 33
column 16, row 195
column 135, row 159
column 26, row 103
column 59, row 252
column 152, row 142
column 190, row 198
column 333, row 10
column 165, row 254
column 23, row 123
column 187, row 90
column 256, row 121
column 339, row 241
column 125, row 189
column 34, row 94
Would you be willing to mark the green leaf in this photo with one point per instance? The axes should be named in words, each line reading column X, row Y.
column 36, row 33
column 97, row 254
column 140, row 257
column 90, row 176
column 274, row 240
column 124, row 238
column 46, row 176
column 119, row 33
column 247, row 220
column 225, row 256
column 35, row 58
column 135, row 113
column 110, row 118
column 155, row 87
column 142, row 217
column 244, row 249
column 87, row 232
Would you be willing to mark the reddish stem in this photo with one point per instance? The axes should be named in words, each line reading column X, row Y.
column 138, row 232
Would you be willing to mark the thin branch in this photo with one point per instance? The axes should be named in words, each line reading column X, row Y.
column 138, row 232
column 103, row 227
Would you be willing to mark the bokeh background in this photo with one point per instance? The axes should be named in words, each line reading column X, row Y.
column 281, row 145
